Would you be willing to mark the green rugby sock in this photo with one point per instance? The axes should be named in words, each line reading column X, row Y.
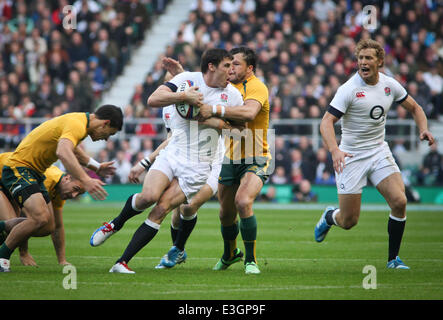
column 248, row 229
column 229, row 235
column 5, row 252
column 2, row 226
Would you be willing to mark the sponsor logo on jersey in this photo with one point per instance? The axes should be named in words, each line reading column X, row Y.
column 360, row 94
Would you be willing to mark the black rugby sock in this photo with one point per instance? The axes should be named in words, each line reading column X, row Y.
column 127, row 213
column 329, row 218
column 186, row 227
column 174, row 233
column 396, row 228
column 142, row 236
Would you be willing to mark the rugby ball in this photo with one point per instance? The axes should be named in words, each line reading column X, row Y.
column 185, row 110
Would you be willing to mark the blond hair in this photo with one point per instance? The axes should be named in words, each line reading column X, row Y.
column 371, row 44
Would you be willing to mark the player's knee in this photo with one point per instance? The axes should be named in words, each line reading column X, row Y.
column 145, row 200
column 188, row 210
column 398, row 204
column 243, row 204
column 43, row 221
column 46, row 229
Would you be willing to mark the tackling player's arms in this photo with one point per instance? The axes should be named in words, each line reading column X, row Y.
column 65, row 152
column 247, row 112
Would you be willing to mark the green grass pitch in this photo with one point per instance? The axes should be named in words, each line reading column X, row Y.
column 293, row 265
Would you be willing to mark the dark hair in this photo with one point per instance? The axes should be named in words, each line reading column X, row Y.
column 249, row 56
column 214, row 56
column 112, row 113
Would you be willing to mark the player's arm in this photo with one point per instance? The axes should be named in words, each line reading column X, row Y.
column 164, row 96
column 103, row 169
column 244, row 113
column 328, row 134
column 65, row 152
column 58, row 237
column 218, row 123
column 419, row 117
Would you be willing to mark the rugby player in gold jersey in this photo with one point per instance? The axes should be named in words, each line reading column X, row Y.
column 247, row 162
column 57, row 138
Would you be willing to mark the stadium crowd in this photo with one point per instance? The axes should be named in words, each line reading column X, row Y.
column 52, row 63
column 305, row 51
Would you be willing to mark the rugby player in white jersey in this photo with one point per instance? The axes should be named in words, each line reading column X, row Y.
column 362, row 104
column 183, row 218
column 182, row 168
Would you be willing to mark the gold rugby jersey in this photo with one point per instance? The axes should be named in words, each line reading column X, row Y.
column 37, row 150
column 252, row 89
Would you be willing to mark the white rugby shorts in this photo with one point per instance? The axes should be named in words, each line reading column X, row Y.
column 191, row 176
column 375, row 164
column 213, row 177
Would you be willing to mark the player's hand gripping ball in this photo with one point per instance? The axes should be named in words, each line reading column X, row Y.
column 185, row 110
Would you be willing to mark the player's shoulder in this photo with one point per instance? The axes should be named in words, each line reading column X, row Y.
column 231, row 88
column 349, row 86
column 186, row 75
column 385, row 79
column 258, row 83
column 72, row 116
column 353, row 82
column 192, row 75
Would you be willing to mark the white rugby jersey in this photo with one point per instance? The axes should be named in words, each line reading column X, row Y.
column 364, row 109
column 193, row 141
column 167, row 114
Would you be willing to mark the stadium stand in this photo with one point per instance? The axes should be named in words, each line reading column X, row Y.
column 305, row 52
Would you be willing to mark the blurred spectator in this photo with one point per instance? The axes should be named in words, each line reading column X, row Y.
column 137, row 16
column 303, row 193
column 324, row 164
column 111, row 149
column 296, row 175
column 309, row 159
column 281, row 154
column 269, row 195
column 96, row 74
column 326, row 178
column 78, row 49
column 147, row 147
column 123, row 167
column 279, row 176
column 435, row 82
column 431, row 171
column 322, row 8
